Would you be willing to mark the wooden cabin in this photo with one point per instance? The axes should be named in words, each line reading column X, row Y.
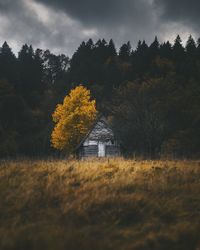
column 99, row 142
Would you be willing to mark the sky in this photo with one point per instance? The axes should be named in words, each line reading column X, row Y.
column 61, row 25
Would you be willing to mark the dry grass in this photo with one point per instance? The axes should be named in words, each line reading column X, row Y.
column 110, row 204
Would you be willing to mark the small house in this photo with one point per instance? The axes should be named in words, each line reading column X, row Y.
column 99, row 142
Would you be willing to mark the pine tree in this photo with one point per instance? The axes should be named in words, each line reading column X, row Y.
column 8, row 64
column 155, row 45
column 26, row 64
column 154, row 48
column 178, row 49
column 125, row 52
column 111, row 49
column 166, row 50
column 190, row 45
column 141, row 48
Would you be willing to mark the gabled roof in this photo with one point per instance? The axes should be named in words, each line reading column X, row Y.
column 99, row 119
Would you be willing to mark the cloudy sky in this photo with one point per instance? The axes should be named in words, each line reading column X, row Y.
column 61, row 25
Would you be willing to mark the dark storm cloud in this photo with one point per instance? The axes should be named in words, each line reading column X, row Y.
column 20, row 22
column 61, row 25
column 7, row 5
column 184, row 11
column 121, row 20
column 23, row 21
column 97, row 12
column 117, row 11
column 134, row 19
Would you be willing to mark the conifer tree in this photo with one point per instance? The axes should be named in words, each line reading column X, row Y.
column 125, row 51
column 178, row 49
column 190, row 45
column 141, row 48
column 154, row 48
column 166, row 50
column 111, row 49
column 8, row 64
column 155, row 45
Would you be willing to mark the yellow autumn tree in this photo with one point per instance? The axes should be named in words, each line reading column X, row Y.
column 73, row 118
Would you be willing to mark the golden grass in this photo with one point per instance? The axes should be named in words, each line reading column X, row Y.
column 105, row 204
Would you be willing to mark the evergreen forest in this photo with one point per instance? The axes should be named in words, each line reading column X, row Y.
column 150, row 94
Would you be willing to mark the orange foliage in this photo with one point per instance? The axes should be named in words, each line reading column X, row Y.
column 73, row 119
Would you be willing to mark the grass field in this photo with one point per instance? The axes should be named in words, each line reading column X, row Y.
column 100, row 205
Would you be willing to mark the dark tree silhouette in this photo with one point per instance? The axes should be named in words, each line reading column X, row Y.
column 8, row 64
column 125, row 52
column 178, row 49
column 151, row 93
column 190, row 45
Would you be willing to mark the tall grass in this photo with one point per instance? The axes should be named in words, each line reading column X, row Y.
column 107, row 204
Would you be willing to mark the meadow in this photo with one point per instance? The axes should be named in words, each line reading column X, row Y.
column 99, row 204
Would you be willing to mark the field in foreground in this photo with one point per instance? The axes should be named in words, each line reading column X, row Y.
column 110, row 204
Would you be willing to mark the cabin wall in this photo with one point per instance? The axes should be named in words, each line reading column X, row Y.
column 99, row 149
column 90, row 151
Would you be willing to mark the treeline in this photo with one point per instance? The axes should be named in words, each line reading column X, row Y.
column 151, row 94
